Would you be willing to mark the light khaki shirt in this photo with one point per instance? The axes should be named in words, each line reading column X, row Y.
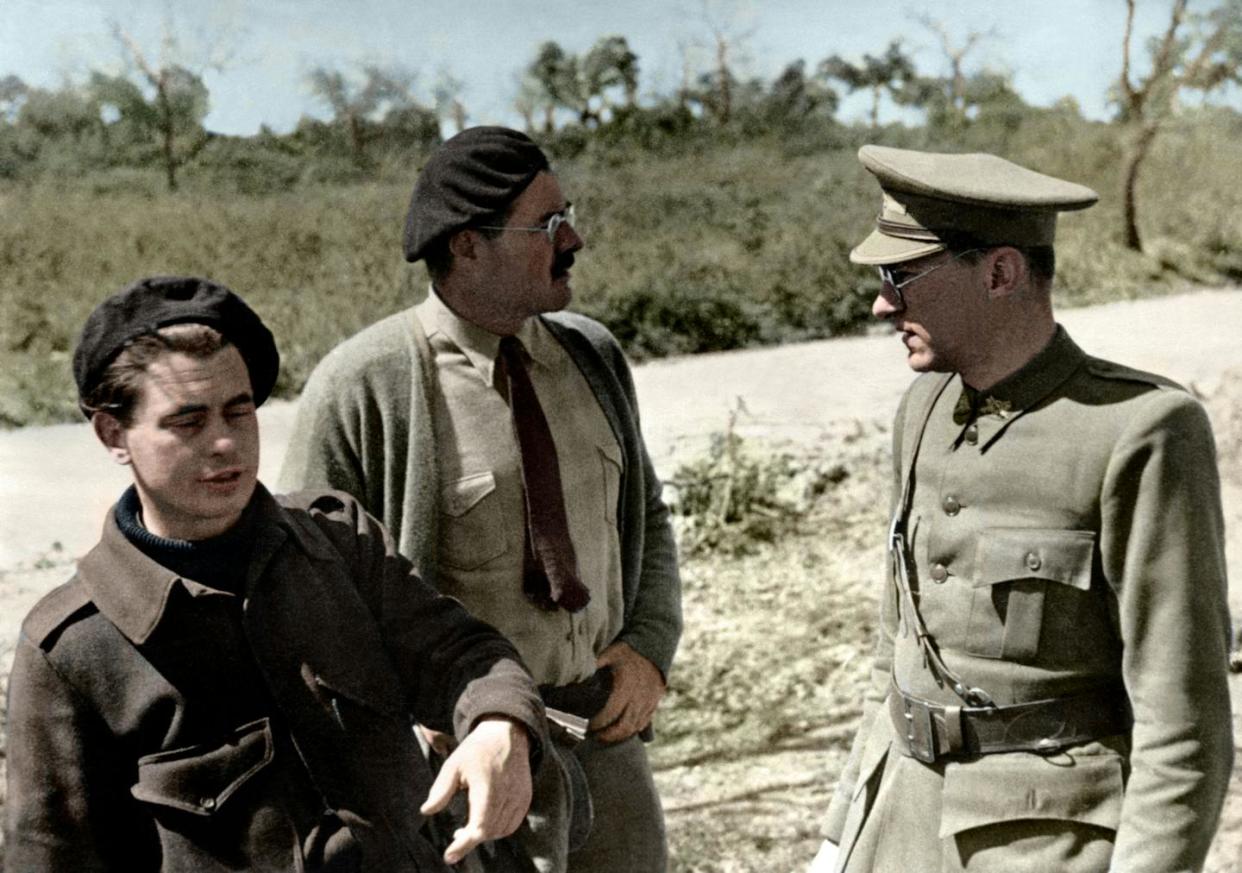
column 481, row 524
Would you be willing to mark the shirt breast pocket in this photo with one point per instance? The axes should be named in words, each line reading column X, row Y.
column 472, row 529
column 1016, row 569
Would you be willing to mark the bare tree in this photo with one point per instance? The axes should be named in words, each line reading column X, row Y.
column 175, row 110
column 447, row 93
column 355, row 104
column 711, row 61
column 1200, row 52
column 955, row 53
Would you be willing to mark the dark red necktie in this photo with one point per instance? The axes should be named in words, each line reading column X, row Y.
column 550, row 578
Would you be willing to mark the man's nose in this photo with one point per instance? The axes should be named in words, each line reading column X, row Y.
column 883, row 307
column 222, row 439
column 573, row 239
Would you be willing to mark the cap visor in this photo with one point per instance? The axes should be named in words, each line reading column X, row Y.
column 880, row 248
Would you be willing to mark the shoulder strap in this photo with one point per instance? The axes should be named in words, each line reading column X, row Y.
column 899, row 555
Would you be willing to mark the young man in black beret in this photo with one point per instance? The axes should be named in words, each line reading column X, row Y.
column 229, row 680
column 498, row 439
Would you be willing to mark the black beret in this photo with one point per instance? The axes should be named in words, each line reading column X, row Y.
column 477, row 172
column 159, row 301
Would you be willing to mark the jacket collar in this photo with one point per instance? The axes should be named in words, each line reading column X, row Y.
column 133, row 591
column 1008, row 399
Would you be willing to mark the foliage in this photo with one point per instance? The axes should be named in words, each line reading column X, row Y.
column 891, row 72
column 583, row 85
column 378, row 113
column 735, row 497
column 698, row 238
column 1200, row 52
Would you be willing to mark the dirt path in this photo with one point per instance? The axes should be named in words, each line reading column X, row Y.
column 57, row 484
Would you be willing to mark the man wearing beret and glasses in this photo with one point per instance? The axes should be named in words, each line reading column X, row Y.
column 228, row 681
column 498, row 437
column 1050, row 684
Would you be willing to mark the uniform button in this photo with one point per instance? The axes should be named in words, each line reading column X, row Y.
column 939, row 573
column 951, row 505
column 972, row 434
column 208, row 803
column 1032, row 561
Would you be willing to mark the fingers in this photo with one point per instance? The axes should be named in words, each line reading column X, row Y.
column 612, row 709
column 493, row 765
column 442, row 790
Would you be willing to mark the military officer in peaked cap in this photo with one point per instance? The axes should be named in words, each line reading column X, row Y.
column 1049, row 686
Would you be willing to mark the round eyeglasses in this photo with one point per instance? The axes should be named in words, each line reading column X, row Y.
column 565, row 216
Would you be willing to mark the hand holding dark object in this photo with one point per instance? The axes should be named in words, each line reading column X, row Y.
column 492, row 764
column 637, row 688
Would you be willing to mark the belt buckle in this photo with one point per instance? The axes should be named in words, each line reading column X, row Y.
column 920, row 735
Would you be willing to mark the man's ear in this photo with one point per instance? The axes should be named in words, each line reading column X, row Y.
column 111, row 433
column 463, row 243
column 1007, row 272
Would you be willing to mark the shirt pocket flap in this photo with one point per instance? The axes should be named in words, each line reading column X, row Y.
column 1064, row 556
column 200, row 779
column 461, row 496
column 1001, row 788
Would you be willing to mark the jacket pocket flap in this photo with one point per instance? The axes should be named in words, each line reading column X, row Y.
column 879, row 740
column 1011, row 787
column 201, row 779
column 461, row 496
column 1064, row 556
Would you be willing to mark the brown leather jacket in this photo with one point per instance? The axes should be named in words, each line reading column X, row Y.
column 149, row 731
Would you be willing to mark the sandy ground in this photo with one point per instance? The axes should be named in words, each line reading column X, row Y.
column 57, row 483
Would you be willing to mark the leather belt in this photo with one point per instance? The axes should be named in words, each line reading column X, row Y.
column 584, row 699
column 931, row 731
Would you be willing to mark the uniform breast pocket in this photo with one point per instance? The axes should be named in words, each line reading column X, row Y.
column 472, row 523
column 1016, row 569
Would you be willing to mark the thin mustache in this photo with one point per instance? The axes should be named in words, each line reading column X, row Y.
column 563, row 262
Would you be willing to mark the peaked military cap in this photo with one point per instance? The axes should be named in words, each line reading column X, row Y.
column 932, row 200
column 160, row 301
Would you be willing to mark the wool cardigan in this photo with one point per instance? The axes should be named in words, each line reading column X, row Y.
column 364, row 425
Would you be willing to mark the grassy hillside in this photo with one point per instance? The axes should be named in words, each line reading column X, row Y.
column 689, row 250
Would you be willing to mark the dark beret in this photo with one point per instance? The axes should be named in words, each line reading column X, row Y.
column 159, row 301
column 477, row 172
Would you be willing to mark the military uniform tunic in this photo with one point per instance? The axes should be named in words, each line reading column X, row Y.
column 1066, row 537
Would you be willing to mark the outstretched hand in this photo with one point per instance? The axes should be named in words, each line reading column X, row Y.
column 637, row 688
column 492, row 764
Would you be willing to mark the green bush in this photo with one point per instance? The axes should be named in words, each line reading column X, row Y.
column 736, row 496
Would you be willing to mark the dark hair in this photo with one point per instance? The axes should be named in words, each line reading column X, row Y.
column 439, row 257
column 1040, row 260
column 117, row 390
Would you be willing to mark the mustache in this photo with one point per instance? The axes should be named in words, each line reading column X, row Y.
column 562, row 263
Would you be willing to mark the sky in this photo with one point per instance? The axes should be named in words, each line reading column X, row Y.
column 256, row 54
